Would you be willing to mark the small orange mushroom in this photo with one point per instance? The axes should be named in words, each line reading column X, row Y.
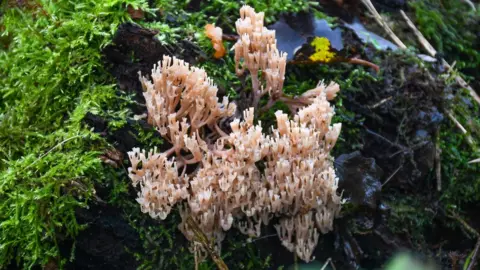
column 215, row 34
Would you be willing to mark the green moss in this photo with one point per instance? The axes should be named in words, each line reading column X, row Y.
column 452, row 28
column 51, row 75
column 225, row 13
column 409, row 215
column 460, row 180
column 223, row 74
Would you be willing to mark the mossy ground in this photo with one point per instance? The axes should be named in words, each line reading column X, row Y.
column 52, row 74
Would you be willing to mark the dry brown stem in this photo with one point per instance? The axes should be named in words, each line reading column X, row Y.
column 368, row 4
column 457, row 123
column 464, row 223
column 202, row 239
column 473, row 260
column 438, row 161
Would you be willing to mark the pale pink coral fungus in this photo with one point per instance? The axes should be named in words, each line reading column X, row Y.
column 226, row 188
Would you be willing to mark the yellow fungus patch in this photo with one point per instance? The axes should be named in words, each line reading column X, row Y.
column 323, row 52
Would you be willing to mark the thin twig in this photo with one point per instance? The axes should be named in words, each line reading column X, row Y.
column 453, row 65
column 473, row 260
column 477, row 160
column 379, row 103
column 354, row 60
column 195, row 256
column 383, row 24
column 392, row 175
column 471, row 4
column 421, row 38
column 140, row 116
column 465, row 85
column 438, row 161
column 464, row 223
column 457, row 123
column 362, row 62
column 382, row 137
column 385, row 239
column 203, row 239
column 250, row 240
column 53, row 148
column 468, row 138
column 329, row 261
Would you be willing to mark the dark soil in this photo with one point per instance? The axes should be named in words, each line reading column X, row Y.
column 104, row 244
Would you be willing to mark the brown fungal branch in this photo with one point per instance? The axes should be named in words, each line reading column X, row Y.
column 296, row 102
column 362, row 62
column 354, row 60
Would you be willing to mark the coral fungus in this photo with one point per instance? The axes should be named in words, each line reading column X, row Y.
column 224, row 185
